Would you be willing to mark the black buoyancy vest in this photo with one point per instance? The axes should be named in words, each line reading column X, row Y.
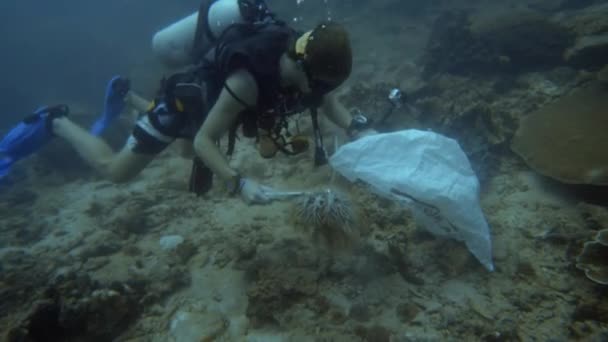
column 256, row 48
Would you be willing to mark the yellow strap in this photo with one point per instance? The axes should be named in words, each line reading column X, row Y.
column 151, row 106
column 179, row 105
column 302, row 42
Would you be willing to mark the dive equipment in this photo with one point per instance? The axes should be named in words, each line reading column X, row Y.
column 201, row 177
column 185, row 41
column 29, row 136
column 396, row 99
column 320, row 152
column 359, row 123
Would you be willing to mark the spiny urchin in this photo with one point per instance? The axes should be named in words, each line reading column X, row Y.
column 329, row 213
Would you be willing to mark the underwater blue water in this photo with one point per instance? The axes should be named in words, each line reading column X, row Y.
column 70, row 48
column 147, row 253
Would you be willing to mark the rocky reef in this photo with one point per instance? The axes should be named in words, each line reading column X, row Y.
column 594, row 258
column 81, row 286
column 576, row 127
column 483, row 77
column 281, row 277
column 517, row 42
column 590, row 50
column 76, row 308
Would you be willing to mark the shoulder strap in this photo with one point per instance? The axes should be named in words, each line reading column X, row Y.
column 236, row 97
column 320, row 152
column 253, row 12
column 232, row 136
column 203, row 38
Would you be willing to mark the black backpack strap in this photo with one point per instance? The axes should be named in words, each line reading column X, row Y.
column 203, row 38
column 320, row 153
column 183, row 92
column 232, row 139
column 232, row 136
column 201, row 177
column 255, row 11
column 236, row 97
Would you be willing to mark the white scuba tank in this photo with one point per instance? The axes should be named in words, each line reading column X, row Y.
column 173, row 44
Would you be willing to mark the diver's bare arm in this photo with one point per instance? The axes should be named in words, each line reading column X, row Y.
column 335, row 111
column 219, row 120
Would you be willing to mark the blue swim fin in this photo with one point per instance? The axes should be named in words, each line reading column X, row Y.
column 28, row 136
column 114, row 103
column 5, row 166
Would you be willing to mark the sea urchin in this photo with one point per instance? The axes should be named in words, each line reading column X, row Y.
column 329, row 214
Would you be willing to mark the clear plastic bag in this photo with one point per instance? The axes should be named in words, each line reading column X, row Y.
column 430, row 174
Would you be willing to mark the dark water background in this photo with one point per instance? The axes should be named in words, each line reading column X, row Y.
column 66, row 50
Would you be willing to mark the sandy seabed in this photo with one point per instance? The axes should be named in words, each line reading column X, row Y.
column 249, row 274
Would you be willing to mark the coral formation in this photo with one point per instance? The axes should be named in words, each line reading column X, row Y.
column 129, row 218
column 461, row 44
column 591, row 47
column 590, row 52
column 524, row 41
column 77, row 308
column 588, row 21
column 205, row 326
column 95, row 298
column 375, row 333
column 553, row 6
column 594, row 258
column 453, row 48
column 602, row 75
column 282, row 276
column 576, row 127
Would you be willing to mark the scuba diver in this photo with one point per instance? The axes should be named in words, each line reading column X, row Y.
column 254, row 73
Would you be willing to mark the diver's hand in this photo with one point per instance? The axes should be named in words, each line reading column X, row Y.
column 253, row 192
column 364, row 133
column 360, row 126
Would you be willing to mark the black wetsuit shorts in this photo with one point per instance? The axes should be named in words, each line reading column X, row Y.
column 159, row 127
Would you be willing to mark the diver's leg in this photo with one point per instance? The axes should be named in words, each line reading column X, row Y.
column 185, row 148
column 136, row 105
column 98, row 154
column 137, row 102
